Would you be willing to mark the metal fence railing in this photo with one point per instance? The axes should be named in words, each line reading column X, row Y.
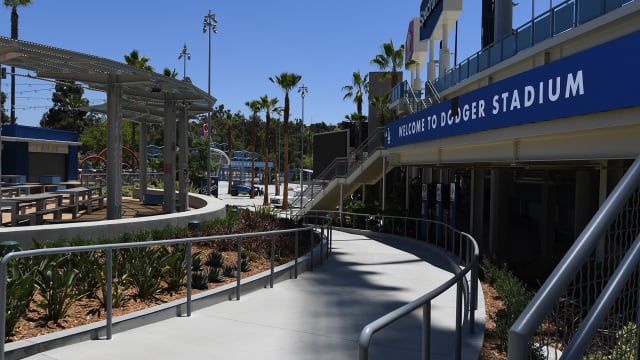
column 589, row 306
column 319, row 226
column 560, row 18
column 462, row 248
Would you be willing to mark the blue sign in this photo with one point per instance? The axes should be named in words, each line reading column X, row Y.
column 603, row 78
column 430, row 13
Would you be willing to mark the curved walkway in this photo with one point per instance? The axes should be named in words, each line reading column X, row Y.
column 317, row 316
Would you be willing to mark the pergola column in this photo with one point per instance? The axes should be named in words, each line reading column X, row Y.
column 142, row 157
column 183, row 198
column 169, row 153
column 114, row 150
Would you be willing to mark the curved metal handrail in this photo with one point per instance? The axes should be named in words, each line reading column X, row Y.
column 467, row 288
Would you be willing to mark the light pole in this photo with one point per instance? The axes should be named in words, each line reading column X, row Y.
column 185, row 55
column 209, row 23
column 303, row 91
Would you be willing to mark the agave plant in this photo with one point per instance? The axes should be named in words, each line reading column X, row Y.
column 199, row 280
column 214, row 260
column 56, row 283
column 215, row 275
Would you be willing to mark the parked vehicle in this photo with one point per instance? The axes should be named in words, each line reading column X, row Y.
column 237, row 189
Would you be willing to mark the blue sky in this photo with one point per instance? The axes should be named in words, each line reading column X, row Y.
column 324, row 41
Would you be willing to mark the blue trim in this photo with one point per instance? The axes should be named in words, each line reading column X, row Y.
column 572, row 86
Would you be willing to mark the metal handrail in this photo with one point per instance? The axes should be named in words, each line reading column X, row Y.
column 533, row 315
column 467, row 288
column 108, row 248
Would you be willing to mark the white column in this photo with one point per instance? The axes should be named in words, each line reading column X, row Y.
column 169, row 154
column 114, row 151
column 431, row 65
column 445, row 54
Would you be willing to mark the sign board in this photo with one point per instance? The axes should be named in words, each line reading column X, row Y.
column 572, row 86
column 430, row 13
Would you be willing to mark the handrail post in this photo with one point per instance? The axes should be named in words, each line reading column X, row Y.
column 273, row 259
column 459, row 291
column 426, row 331
column 295, row 261
column 238, row 270
column 109, row 293
column 311, row 249
column 3, row 300
column 189, row 265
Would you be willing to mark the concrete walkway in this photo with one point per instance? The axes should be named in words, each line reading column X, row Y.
column 317, row 316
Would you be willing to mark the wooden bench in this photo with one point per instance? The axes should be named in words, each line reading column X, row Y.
column 88, row 202
column 56, row 211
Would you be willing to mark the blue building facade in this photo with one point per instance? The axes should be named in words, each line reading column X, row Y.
column 34, row 152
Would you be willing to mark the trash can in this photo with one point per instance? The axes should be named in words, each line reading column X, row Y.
column 194, row 225
column 8, row 246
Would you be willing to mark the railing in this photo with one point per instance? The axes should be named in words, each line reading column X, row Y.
column 321, row 223
column 343, row 166
column 562, row 17
column 460, row 245
column 590, row 301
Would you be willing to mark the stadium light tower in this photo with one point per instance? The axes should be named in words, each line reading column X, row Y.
column 209, row 24
column 303, row 91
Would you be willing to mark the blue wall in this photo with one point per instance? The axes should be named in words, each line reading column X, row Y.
column 15, row 155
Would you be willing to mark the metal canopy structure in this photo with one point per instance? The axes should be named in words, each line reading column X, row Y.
column 133, row 93
column 144, row 93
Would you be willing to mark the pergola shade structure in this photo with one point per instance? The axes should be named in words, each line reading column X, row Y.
column 136, row 94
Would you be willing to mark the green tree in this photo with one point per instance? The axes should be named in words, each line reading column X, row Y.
column 381, row 105
column 254, row 106
column 390, row 59
column 286, row 81
column 357, row 120
column 66, row 113
column 267, row 105
column 3, row 100
column 13, row 4
column 170, row 73
column 357, row 90
column 134, row 59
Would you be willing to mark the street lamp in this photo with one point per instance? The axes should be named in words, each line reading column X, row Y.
column 303, row 91
column 209, row 24
column 185, row 55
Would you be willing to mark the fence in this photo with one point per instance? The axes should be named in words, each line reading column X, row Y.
column 322, row 225
column 588, row 306
column 460, row 245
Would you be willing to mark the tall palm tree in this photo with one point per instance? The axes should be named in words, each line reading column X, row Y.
column 134, row 59
column 357, row 90
column 13, row 4
column 357, row 120
column 381, row 104
column 391, row 59
column 267, row 105
column 286, row 81
column 254, row 105
column 278, row 124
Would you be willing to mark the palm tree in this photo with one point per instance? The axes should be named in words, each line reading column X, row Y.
column 381, row 104
column 254, row 105
column 170, row 73
column 286, row 81
column 390, row 59
column 276, row 122
column 357, row 120
column 134, row 59
column 13, row 4
column 358, row 89
column 267, row 105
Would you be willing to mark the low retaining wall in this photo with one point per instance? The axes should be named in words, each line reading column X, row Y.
column 205, row 208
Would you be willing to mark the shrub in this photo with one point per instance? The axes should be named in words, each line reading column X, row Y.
column 215, row 275
column 515, row 298
column 199, row 280
column 56, row 284
column 20, row 290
